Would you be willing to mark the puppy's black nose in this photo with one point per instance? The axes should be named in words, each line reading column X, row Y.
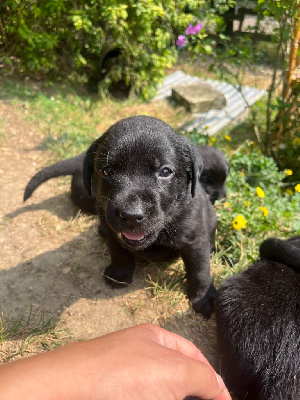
column 132, row 217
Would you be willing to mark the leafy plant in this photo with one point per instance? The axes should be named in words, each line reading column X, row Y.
column 276, row 121
column 256, row 196
column 111, row 41
column 259, row 204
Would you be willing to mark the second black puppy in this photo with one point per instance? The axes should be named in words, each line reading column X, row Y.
column 215, row 171
column 258, row 325
column 145, row 177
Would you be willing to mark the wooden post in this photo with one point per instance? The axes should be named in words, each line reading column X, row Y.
column 293, row 65
column 293, row 59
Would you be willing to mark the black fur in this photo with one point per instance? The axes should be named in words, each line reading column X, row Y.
column 212, row 178
column 215, row 171
column 258, row 325
column 146, row 181
column 72, row 166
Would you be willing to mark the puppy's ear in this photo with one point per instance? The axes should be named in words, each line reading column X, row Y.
column 194, row 166
column 286, row 252
column 88, row 166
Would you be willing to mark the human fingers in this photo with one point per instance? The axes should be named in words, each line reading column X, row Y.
column 175, row 342
column 203, row 382
column 224, row 395
column 207, row 379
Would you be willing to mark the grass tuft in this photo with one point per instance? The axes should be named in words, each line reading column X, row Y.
column 29, row 334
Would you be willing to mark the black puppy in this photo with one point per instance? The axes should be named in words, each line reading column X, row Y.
column 215, row 171
column 258, row 325
column 212, row 178
column 145, row 178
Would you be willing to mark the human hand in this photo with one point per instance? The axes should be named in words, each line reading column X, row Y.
column 140, row 363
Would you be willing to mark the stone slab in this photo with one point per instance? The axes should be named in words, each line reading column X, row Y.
column 238, row 102
column 199, row 97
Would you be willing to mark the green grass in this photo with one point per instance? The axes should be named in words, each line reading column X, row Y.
column 29, row 333
column 62, row 115
column 68, row 119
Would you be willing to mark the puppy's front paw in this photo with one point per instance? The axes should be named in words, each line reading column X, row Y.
column 118, row 277
column 205, row 305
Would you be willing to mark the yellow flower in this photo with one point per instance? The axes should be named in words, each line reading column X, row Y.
column 212, row 139
column 289, row 172
column 264, row 210
column 296, row 142
column 289, row 191
column 246, row 202
column 260, row 192
column 297, row 188
column 226, row 204
column 227, row 137
column 239, row 222
column 242, row 173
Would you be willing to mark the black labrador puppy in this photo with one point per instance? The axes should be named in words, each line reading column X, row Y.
column 174, row 214
column 145, row 178
column 258, row 325
column 215, row 171
column 212, row 178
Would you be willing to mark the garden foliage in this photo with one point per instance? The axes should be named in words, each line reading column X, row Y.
column 259, row 203
column 276, row 121
column 62, row 36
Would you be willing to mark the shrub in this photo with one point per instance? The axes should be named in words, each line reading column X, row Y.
column 257, row 193
column 276, row 120
column 60, row 36
column 258, row 204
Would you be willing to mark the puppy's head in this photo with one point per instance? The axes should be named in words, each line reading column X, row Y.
column 214, row 174
column 141, row 172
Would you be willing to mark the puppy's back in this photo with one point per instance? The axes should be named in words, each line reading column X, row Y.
column 258, row 329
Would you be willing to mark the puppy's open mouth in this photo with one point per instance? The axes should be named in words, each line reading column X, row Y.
column 134, row 238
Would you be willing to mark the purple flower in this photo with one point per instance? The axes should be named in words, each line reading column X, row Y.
column 191, row 29
column 181, row 41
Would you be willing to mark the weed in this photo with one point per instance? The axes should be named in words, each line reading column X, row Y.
column 28, row 334
column 169, row 284
column 258, row 205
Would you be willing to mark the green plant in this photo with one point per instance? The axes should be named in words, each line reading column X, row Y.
column 257, row 193
column 112, row 41
column 259, row 204
column 276, row 122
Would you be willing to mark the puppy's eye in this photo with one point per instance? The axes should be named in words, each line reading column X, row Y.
column 107, row 171
column 165, row 172
column 206, row 179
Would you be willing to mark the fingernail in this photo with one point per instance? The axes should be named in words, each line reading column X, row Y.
column 220, row 382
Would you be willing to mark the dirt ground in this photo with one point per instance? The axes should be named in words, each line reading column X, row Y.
column 52, row 258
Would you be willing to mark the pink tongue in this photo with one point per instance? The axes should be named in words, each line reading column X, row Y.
column 133, row 236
